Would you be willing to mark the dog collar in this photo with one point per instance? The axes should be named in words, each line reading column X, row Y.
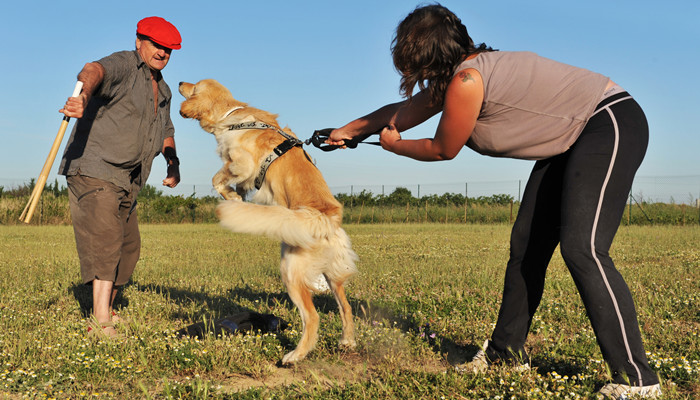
column 231, row 111
column 278, row 151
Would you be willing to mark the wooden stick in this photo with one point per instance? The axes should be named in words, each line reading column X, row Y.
column 43, row 176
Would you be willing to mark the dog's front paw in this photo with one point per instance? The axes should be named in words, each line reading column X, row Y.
column 227, row 192
column 233, row 196
column 230, row 195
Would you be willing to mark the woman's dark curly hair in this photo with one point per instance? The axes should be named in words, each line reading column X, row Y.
column 428, row 46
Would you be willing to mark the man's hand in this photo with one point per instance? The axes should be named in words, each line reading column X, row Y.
column 173, row 177
column 91, row 75
column 75, row 106
column 172, row 161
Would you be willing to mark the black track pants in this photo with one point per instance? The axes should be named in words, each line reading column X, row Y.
column 576, row 200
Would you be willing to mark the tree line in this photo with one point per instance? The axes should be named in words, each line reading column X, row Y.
column 400, row 206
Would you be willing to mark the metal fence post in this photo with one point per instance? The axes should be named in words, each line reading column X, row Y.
column 629, row 210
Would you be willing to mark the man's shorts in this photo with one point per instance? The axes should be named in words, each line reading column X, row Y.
column 106, row 229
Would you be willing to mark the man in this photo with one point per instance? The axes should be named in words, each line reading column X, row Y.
column 124, row 123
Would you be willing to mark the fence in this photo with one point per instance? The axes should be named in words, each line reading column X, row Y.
column 645, row 189
column 400, row 206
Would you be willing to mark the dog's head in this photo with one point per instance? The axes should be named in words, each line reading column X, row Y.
column 207, row 101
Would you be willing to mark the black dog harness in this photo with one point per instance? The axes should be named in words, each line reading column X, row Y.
column 317, row 139
column 278, row 151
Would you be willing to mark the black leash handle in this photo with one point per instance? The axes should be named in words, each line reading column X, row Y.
column 319, row 137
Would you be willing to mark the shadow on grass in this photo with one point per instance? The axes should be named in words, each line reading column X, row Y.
column 83, row 295
column 217, row 306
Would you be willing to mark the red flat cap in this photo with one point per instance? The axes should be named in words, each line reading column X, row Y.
column 160, row 31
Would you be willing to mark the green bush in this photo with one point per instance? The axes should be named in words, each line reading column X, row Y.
column 364, row 208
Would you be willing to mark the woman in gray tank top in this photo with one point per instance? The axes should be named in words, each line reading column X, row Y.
column 588, row 138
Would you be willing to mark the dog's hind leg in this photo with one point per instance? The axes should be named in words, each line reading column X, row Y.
column 347, row 339
column 301, row 296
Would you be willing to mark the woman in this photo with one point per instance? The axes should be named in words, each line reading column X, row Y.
column 588, row 136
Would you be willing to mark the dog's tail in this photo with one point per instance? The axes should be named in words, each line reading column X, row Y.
column 299, row 227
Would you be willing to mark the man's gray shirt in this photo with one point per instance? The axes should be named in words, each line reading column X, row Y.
column 119, row 135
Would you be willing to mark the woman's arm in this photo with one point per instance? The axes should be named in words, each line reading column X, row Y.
column 463, row 100
column 403, row 115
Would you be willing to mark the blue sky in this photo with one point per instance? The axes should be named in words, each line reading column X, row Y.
column 321, row 64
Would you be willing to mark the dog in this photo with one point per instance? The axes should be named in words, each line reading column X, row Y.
column 292, row 203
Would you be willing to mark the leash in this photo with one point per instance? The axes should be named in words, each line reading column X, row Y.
column 319, row 137
column 289, row 143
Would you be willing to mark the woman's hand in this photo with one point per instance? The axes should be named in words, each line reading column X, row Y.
column 388, row 137
column 338, row 137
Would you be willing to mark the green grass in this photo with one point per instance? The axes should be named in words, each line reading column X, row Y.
column 426, row 297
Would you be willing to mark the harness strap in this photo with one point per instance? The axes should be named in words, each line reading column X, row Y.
column 262, row 125
column 278, row 151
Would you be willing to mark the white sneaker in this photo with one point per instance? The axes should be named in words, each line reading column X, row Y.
column 480, row 363
column 619, row 391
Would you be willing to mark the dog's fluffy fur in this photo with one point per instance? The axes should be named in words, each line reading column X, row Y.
column 294, row 204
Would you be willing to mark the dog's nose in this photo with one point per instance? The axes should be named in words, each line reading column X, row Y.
column 180, row 84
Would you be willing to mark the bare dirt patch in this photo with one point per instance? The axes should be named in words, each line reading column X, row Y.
column 351, row 368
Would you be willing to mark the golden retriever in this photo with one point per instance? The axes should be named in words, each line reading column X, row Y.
column 293, row 203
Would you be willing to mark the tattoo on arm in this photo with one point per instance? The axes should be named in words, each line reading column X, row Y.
column 466, row 77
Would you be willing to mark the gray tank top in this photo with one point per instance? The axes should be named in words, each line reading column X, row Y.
column 534, row 107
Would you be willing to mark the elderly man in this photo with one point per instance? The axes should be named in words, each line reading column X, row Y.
column 124, row 123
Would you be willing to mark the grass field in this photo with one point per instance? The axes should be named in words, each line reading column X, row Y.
column 426, row 297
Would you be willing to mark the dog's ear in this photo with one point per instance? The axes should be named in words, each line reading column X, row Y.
column 222, row 102
column 190, row 109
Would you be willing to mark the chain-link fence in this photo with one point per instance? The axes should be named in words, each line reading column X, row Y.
column 653, row 200
column 646, row 189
